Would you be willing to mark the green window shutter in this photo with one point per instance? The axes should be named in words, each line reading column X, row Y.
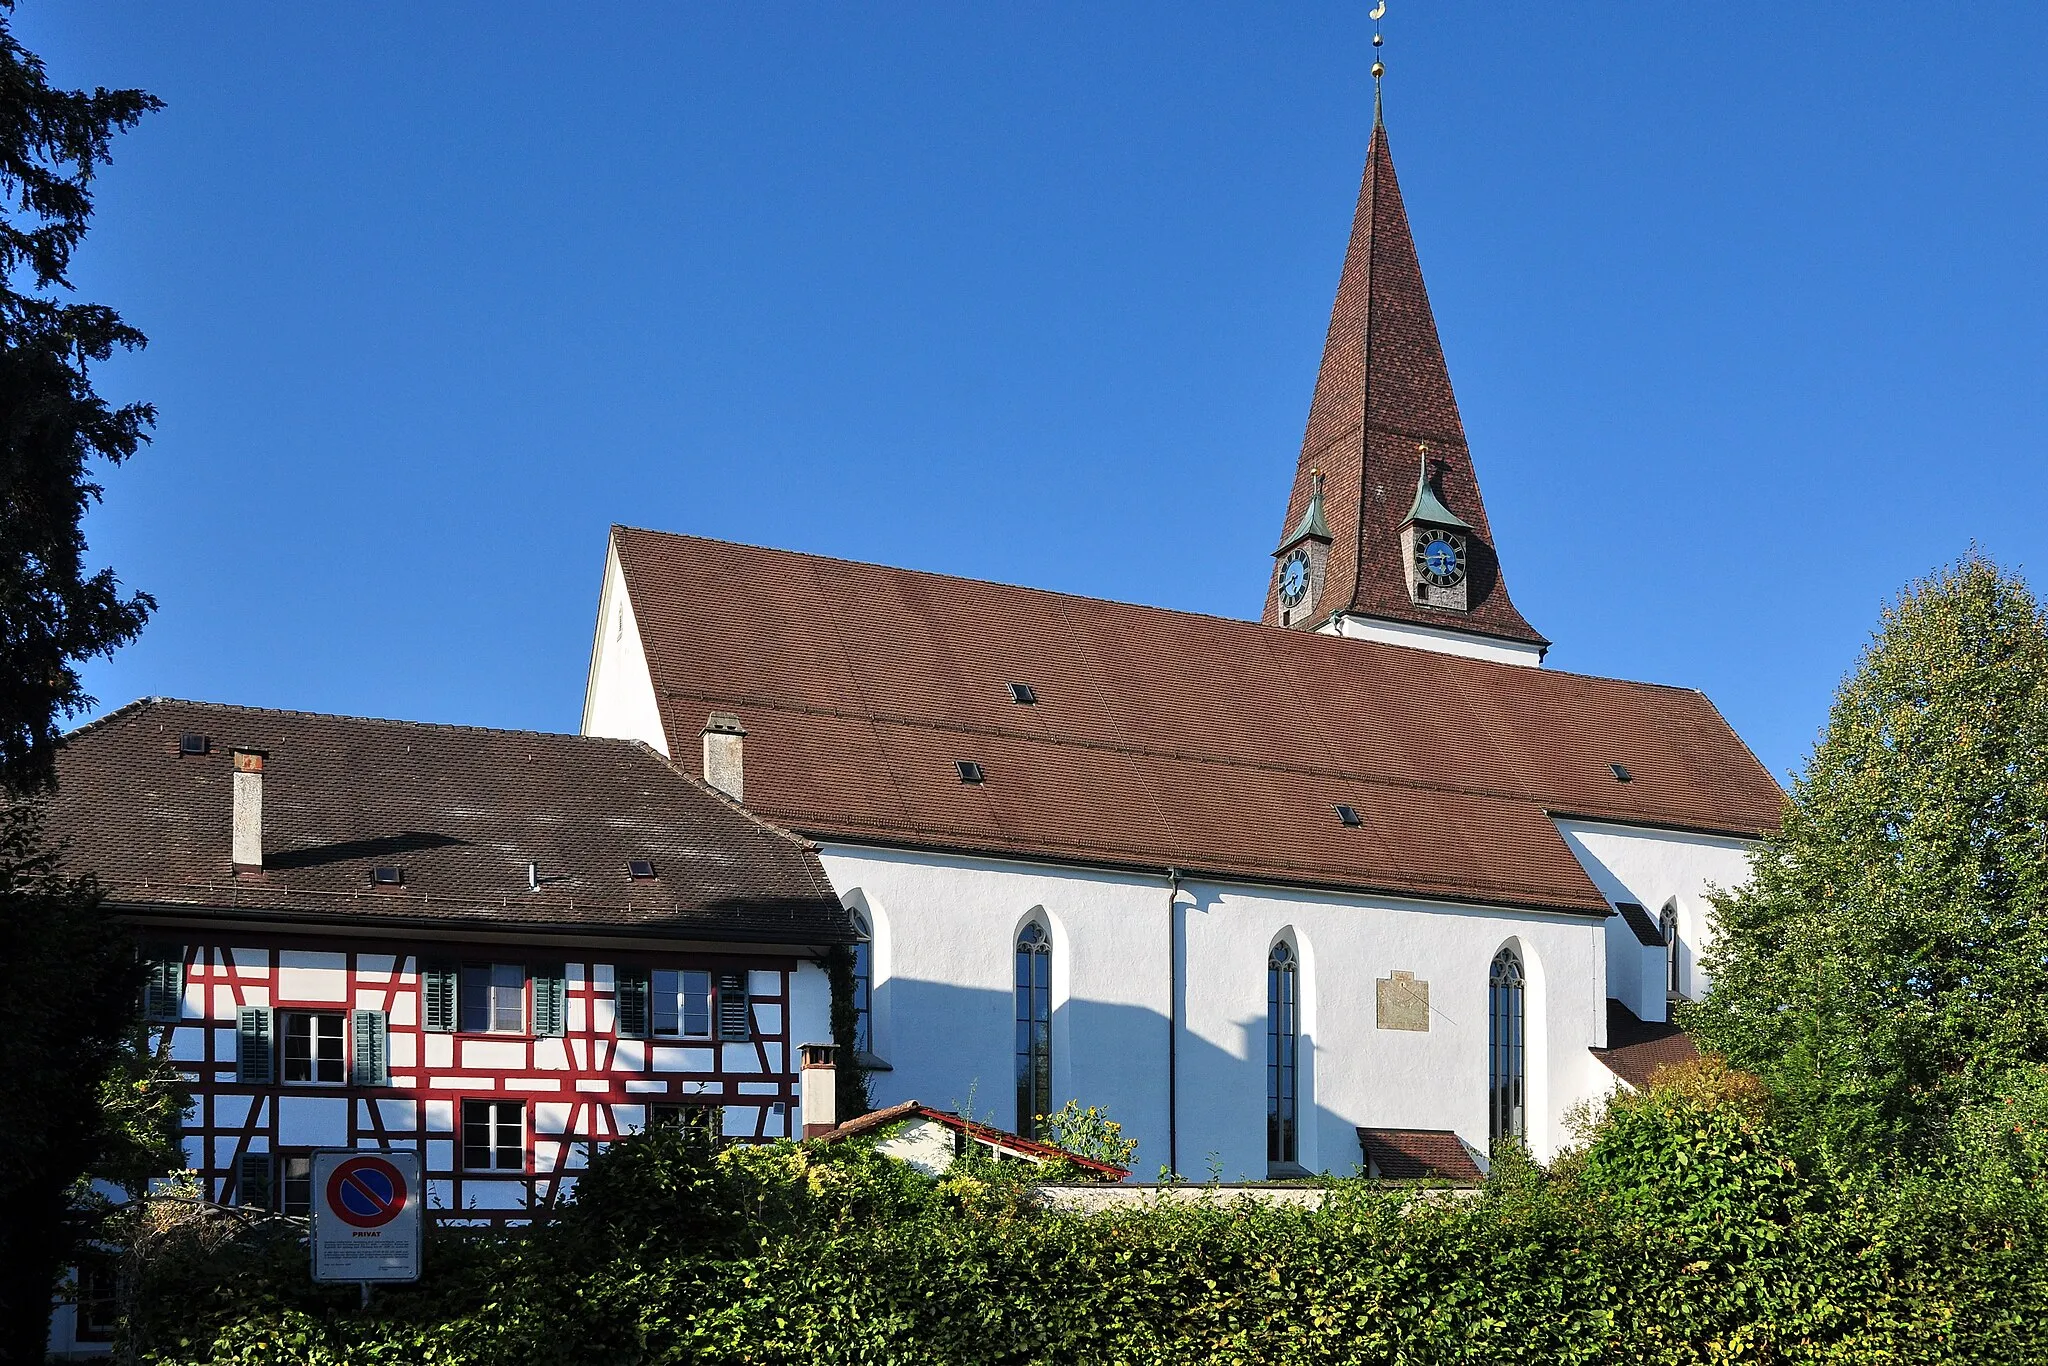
column 634, row 992
column 373, row 1049
column 550, row 1001
column 252, row 1044
column 163, row 989
column 735, row 1020
column 253, row 1181
column 437, row 997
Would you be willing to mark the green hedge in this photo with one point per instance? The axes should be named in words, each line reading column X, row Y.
column 1682, row 1234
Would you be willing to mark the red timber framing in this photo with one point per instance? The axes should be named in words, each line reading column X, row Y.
column 573, row 1092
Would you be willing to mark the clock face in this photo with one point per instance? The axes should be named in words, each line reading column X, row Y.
column 1440, row 558
column 1294, row 579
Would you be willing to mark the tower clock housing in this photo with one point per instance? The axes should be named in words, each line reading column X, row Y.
column 1301, row 560
column 1435, row 545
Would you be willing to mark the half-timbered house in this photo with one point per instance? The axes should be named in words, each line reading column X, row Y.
column 497, row 948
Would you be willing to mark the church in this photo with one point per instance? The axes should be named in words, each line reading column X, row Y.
column 1360, row 885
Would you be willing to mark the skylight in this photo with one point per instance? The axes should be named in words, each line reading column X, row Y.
column 1349, row 815
column 192, row 743
column 387, row 876
column 970, row 772
column 1621, row 775
column 639, row 869
column 1022, row 693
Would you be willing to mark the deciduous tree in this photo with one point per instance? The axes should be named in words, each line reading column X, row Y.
column 1886, row 966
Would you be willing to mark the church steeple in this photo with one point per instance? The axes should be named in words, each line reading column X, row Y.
column 1382, row 392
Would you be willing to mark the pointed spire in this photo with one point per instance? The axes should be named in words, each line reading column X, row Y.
column 1313, row 525
column 1382, row 388
column 1427, row 507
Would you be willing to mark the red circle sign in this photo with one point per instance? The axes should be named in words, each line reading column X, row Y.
column 366, row 1192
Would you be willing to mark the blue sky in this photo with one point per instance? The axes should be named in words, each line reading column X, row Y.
column 1747, row 310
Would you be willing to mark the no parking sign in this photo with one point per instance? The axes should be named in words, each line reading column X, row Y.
column 366, row 1216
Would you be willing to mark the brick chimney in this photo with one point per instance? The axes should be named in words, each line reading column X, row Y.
column 724, row 762
column 819, row 1084
column 248, row 820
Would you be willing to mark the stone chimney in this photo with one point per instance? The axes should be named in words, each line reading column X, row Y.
column 819, row 1084
column 724, row 763
column 248, row 821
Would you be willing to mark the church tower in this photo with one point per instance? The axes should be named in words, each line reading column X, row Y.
column 1385, row 535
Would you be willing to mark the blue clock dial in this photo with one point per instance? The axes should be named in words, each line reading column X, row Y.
column 1294, row 578
column 1440, row 558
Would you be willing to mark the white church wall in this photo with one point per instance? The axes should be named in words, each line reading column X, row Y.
column 944, row 1013
column 1654, row 868
column 1446, row 642
column 618, row 698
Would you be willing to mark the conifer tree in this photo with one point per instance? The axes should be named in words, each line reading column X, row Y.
column 1887, row 964
column 68, row 1028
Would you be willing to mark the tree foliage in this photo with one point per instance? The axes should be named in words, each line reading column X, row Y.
column 1886, row 967
column 82, row 1094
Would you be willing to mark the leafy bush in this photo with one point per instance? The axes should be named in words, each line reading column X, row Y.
column 1681, row 1231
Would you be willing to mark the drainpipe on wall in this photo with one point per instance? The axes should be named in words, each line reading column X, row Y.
column 1173, row 1019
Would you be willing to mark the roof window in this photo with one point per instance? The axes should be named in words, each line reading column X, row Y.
column 970, row 772
column 1023, row 694
column 192, row 742
column 1621, row 775
column 1349, row 815
column 387, row 876
column 639, row 869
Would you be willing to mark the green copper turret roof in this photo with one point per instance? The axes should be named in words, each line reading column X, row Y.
column 1312, row 522
column 1429, row 508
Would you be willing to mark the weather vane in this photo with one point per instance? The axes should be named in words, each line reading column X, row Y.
column 1379, row 68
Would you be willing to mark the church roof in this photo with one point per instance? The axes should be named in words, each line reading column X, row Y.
column 1161, row 739
column 1384, row 389
column 460, row 810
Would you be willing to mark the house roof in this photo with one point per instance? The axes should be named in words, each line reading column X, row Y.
column 461, row 811
column 1639, row 922
column 1637, row 1048
column 1418, row 1155
column 1382, row 391
column 1161, row 739
column 1002, row 1139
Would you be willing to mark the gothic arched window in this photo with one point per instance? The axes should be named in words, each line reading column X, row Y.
column 1034, row 1026
column 1504, row 1047
column 1668, row 922
column 863, row 982
column 1283, row 1026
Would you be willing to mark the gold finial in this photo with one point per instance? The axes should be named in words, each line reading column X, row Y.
column 1379, row 68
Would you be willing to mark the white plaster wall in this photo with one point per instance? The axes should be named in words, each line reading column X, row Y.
column 1651, row 868
column 1444, row 642
column 618, row 698
column 947, row 984
column 810, row 1005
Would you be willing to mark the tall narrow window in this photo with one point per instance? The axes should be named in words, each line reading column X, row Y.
column 1505, row 1047
column 863, row 984
column 1034, row 1027
column 1282, row 1036
column 1674, row 985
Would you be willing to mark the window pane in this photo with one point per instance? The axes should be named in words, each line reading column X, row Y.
column 696, row 1005
column 668, row 992
column 327, row 1045
column 508, row 998
column 298, row 1048
column 297, row 1188
column 476, row 998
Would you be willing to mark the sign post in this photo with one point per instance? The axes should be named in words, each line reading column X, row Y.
column 366, row 1216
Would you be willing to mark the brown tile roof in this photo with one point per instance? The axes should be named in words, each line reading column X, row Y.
column 1161, row 738
column 1418, row 1155
column 876, row 1120
column 1646, row 931
column 461, row 810
column 1384, row 388
column 1637, row 1048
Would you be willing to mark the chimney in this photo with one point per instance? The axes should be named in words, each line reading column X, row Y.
column 248, row 811
column 819, row 1084
column 724, row 768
